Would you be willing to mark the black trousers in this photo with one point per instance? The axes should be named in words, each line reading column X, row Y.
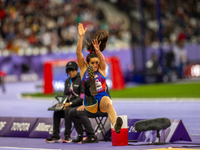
column 80, row 118
column 56, row 122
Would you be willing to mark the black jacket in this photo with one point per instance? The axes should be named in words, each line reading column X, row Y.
column 77, row 88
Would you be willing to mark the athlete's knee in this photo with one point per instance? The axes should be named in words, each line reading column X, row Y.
column 108, row 106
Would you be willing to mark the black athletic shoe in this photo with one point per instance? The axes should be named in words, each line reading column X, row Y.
column 118, row 125
column 53, row 139
column 78, row 139
column 91, row 139
column 67, row 140
column 92, row 80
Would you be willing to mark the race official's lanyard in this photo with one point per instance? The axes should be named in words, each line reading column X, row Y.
column 71, row 90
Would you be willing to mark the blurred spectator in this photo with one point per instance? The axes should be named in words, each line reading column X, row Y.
column 2, row 81
column 169, row 67
column 180, row 54
column 48, row 23
column 175, row 15
column 153, row 69
column 129, row 72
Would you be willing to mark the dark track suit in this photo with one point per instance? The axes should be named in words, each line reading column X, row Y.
column 82, row 118
column 76, row 101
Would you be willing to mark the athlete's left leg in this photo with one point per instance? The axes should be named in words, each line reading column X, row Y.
column 106, row 105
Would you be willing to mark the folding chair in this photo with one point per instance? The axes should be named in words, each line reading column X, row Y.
column 101, row 122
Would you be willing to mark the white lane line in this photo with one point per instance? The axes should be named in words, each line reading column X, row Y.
column 27, row 148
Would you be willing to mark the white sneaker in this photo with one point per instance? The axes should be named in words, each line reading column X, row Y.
column 67, row 140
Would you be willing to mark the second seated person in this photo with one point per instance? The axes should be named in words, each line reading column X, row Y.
column 74, row 89
column 80, row 117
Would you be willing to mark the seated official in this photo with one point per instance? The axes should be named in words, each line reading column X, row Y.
column 74, row 89
column 80, row 116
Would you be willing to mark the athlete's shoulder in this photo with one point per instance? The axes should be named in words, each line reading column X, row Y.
column 101, row 73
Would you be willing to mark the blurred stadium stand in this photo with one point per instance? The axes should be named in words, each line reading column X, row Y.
column 31, row 28
column 49, row 25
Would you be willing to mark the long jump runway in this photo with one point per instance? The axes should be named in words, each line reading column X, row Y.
column 11, row 105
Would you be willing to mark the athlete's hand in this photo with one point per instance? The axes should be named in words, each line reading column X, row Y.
column 96, row 44
column 80, row 108
column 81, row 30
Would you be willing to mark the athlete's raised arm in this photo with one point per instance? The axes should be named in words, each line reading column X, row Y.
column 80, row 57
column 102, row 62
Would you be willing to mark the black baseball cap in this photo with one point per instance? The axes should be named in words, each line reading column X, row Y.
column 71, row 65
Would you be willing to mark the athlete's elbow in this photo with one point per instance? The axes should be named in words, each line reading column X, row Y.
column 78, row 52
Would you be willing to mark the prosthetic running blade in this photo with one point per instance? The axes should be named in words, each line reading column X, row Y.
column 92, row 80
